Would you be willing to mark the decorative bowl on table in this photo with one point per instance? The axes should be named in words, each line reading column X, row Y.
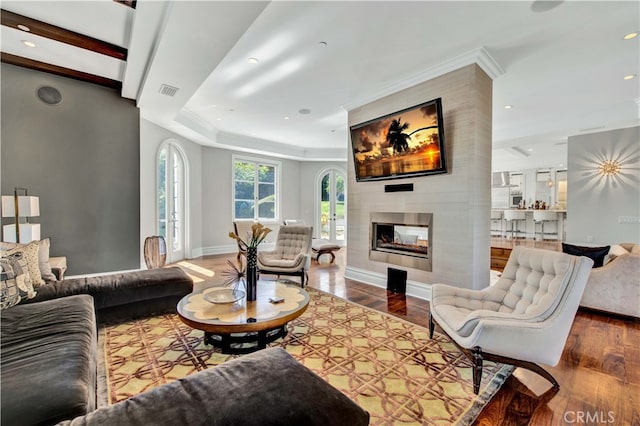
column 226, row 295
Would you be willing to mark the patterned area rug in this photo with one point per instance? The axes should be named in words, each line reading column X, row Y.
column 388, row 366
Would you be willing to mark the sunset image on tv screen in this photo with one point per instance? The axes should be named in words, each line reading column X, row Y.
column 405, row 143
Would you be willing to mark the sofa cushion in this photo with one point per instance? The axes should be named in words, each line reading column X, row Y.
column 596, row 254
column 123, row 288
column 47, row 369
column 268, row 387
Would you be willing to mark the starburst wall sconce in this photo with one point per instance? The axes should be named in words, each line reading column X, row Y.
column 609, row 168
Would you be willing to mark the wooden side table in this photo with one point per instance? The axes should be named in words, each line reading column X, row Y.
column 58, row 266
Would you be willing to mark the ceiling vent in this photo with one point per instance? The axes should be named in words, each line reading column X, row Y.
column 167, row 90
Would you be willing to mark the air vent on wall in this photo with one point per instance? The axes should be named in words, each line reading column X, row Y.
column 165, row 89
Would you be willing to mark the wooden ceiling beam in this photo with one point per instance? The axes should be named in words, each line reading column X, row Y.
column 62, row 35
column 7, row 58
column 129, row 3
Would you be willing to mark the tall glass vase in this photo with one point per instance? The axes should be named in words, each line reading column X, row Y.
column 252, row 273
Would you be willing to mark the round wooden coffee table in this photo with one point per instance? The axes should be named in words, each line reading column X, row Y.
column 241, row 326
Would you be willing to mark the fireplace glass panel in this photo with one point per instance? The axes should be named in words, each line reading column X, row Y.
column 410, row 240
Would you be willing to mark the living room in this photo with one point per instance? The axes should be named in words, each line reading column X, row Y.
column 92, row 160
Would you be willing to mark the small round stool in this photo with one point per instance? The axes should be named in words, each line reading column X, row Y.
column 513, row 217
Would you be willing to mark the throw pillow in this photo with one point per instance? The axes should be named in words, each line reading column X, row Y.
column 18, row 263
column 614, row 252
column 636, row 249
column 597, row 254
column 43, row 260
column 31, row 252
column 9, row 292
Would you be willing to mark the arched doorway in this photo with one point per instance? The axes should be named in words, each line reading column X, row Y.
column 331, row 220
column 172, row 223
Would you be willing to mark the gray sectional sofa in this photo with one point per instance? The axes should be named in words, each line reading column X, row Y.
column 48, row 344
column 48, row 372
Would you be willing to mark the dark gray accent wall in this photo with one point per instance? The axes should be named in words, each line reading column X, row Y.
column 82, row 158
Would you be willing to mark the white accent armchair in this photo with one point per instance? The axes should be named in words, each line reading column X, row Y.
column 291, row 255
column 523, row 319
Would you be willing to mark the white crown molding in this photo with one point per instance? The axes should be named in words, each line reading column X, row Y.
column 478, row 56
column 414, row 288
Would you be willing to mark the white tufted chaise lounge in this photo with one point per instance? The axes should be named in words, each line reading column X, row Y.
column 523, row 319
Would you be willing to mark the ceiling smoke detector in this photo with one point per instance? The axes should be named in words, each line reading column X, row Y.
column 167, row 90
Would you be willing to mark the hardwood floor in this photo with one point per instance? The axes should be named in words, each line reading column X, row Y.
column 599, row 372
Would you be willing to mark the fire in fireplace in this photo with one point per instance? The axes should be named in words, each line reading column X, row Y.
column 403, row 239
column 410, row 240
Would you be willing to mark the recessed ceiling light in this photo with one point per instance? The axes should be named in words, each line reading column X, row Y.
column 304, row 111
column 508, row 106
column 630, row 36
column 23, row 28
column 629, row 77
column 286, row 117
column 28, row 43
column 323, row 43
column 218, row 119
column 530, row 150
column 253, row 60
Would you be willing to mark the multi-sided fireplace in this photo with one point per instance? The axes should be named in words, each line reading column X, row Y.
column 402, row 239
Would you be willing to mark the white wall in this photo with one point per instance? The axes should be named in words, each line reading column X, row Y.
column 151, row 137
column 595, row 202
column 210, row 203
column 459, row 200
column 217, row 214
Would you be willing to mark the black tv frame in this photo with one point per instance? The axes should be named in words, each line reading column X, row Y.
column 441, row 144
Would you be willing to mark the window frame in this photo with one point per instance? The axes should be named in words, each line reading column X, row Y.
column 277, row 165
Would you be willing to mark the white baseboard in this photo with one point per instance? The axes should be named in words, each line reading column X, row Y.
column 209, row 251
column 414, row 288
column 226, row 249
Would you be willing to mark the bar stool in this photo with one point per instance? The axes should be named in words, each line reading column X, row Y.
column 542, row 216
column 496, row 218
column 514, row 216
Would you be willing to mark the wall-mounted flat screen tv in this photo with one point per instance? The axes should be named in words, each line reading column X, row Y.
column 403, row 144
